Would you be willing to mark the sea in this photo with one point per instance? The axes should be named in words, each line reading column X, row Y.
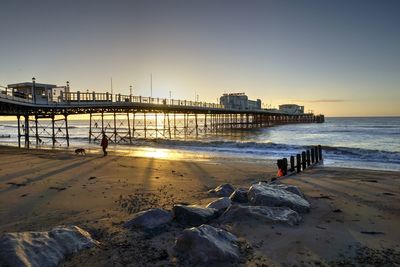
column 356, row 142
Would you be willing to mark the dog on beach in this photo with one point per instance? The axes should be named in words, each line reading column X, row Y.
column 80, row 151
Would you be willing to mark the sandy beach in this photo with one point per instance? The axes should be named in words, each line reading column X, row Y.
column 354, row 215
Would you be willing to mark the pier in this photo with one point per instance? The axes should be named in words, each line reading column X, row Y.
column 124, row 118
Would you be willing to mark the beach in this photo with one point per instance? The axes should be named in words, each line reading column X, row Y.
column 354, row 213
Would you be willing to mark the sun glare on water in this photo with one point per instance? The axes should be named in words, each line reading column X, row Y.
column 156, row 153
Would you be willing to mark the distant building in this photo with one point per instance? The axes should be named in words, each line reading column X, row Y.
column 291, row 109
column 239, row 101
column 39, row 93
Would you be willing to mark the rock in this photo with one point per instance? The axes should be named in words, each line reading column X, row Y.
column 43, row 248
column 221, row 204
column 193, row 215
column 223, row 190
column 240, row 195
column 263, row 194
column 207, row 245
column 292, row 189
column 266, row 214
column 149, row 219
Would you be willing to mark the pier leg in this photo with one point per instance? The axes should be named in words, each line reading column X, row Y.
column 174, row 125
column 197, row 126
column 102, row 123
column 308, row 157
column 90, row 127
column 133, row 124
column 19, row 130
column 156, row 115
column 129, row 127
column 66, row 129
column 115, row 128
column 36, row 130
column 169, row 127
column 185, row 124
column 53, row 137
column 26, row 131
column 145, row 124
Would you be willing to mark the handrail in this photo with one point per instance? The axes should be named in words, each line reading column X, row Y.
column 79, row 97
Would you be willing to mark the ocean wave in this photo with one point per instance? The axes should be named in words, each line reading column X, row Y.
column 275, row 149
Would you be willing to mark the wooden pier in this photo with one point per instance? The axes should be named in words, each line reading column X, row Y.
column 124, row 118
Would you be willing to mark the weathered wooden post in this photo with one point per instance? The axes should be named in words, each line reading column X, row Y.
column 303, row 160
column 298, row 163
column 284, row 166
column 291, row 163
column 312, row 155
column 316, row 154
column 308, row 157
column 320, row 152
column 279, row 163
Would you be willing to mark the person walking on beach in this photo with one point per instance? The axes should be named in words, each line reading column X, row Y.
column 104, row 144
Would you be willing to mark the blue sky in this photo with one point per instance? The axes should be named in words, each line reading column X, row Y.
column 334, row 57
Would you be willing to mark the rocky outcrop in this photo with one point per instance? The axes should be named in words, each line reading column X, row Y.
column 220, row 204
column 223, row 190
column 149, row 219
column 193, row 215
column 206, row 245
column 239, row 195
column 43, row 248
column 265, row 214
column 263, row 194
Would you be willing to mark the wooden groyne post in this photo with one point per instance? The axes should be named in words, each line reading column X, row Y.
column 304, row 160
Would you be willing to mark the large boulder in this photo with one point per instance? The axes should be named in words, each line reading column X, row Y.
column 239, row 195
column 291, row 188
column 149, row 219
column 223, row 190
column 207, row 245
column 45, row 249
column 193, row 215
column 263, row 194
column 266, row 214
column 221, row 204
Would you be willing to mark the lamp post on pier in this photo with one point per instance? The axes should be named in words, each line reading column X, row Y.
column 33, row 90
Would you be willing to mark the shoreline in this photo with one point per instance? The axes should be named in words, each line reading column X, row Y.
column 177, row 154
column 40, row 189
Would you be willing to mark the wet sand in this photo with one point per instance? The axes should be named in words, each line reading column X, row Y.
column 354, row 217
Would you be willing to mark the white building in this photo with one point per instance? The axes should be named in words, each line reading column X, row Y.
column 239, row 101
column 39, row 93
column 291, row 109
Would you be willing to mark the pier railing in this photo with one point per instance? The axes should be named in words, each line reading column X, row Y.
column 93, row 97
column 80, row 97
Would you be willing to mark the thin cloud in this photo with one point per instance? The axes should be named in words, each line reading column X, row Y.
column 320, row 100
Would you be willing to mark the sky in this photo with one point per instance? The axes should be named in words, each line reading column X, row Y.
column 339, row 58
